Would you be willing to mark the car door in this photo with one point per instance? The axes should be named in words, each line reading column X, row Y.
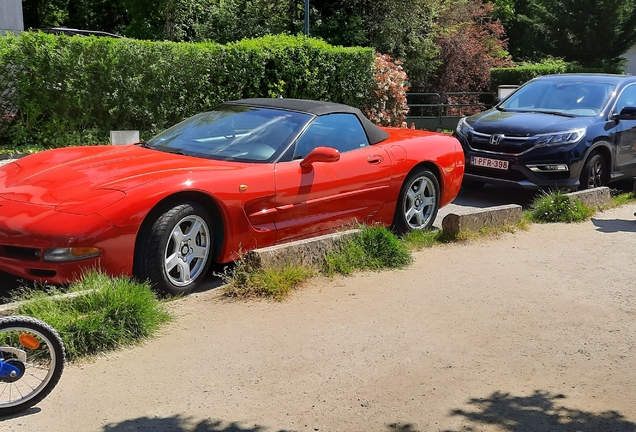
column 625, row 133
column 330, row 195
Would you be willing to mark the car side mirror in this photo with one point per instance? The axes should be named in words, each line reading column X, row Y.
column 496, row 100
column 627, row 113
column 320, row 154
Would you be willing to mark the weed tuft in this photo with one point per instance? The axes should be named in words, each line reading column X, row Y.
column 373, row 248
column 246, row 280
column 558, row 207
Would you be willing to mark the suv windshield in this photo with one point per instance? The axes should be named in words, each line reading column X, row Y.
column 572, row 98
column 231, row 132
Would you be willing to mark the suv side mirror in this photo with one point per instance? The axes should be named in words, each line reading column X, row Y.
column 627, row 113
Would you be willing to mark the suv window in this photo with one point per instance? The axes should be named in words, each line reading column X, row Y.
column 627, row 98
column 340, row 131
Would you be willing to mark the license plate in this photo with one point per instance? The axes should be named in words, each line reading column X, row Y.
column 489, row 163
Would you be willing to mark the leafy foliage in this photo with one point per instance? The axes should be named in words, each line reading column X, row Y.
column 73, row 90
column 558, row 207
column 471, row 44
column 526, row 71
column 404, row 29
column 388, row 105
column 591, row 32
column 234, row 20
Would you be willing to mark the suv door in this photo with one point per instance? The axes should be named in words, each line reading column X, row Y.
column 625, row 132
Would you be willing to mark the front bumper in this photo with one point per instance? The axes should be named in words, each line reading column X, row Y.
column 520, row 173
column 26, row 230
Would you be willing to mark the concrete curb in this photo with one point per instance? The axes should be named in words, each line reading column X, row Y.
column 506, row 215
column 308, row 252
column 491, row 217
column 597, row 197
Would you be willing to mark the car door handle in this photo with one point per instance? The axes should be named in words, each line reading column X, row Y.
column 375, row 159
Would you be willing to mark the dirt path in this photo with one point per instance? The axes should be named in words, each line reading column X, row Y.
column 532, row 331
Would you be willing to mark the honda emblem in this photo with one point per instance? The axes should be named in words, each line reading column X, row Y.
column 495, row 139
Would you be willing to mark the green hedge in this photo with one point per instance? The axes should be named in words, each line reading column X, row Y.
column 525, row 72
column 74, row 90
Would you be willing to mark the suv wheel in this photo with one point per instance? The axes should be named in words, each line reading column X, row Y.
column 594, row 173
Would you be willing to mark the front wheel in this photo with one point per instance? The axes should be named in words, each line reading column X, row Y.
column 594, row 172
column 174, row 252
column 31, row 362
column 418, row 202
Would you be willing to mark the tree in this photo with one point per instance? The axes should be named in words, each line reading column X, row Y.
column 471, row 43
column 587, row 31
column 232, row 20
column 104, row 15
column 404, row 29
column 44, row 13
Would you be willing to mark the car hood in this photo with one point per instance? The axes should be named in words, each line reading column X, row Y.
column 56, row 176
column 524, row 123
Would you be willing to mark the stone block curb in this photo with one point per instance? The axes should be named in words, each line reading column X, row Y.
column 491, row 217
column 596, row 197
column 308, row 252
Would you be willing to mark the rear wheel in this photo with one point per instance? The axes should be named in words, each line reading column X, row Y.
column 418, row 202
column 594, row 172
column 175, row 251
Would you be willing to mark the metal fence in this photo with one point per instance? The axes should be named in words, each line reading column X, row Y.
column 442, row 111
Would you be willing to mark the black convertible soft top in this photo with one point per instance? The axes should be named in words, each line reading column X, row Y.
column 317, row 108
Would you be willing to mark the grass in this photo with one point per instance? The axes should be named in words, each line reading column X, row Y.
column 109, row 313
column 248, row 281
column 621, row 198
column 558, row 207
column 372, row 248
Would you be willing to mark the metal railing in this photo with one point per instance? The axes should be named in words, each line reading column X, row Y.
column 442, row 111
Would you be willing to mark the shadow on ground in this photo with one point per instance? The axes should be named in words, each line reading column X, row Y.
column 180, row 423
column 542, row 411
column 614, row 225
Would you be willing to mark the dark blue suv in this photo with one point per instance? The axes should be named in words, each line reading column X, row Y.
column 570, row 131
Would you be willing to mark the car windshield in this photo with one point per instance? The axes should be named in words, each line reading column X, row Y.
column 231, row 132
column 570, row 98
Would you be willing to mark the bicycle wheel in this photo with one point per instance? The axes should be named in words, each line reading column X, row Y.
column 31, row 362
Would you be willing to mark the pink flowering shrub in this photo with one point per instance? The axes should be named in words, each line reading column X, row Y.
column 387, row 105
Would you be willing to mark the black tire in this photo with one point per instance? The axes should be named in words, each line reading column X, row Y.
column 418, row 202
column 175, row 262
column 472, row 184
column 40, row 369
column 594, row 172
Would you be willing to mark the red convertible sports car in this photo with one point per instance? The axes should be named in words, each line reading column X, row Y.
column 248, row 174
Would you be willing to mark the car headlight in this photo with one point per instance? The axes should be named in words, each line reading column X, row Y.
column 463, row 129
column 69, row 254
column 560, row 138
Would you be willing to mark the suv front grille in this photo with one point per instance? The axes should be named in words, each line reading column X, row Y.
column 507, row 145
